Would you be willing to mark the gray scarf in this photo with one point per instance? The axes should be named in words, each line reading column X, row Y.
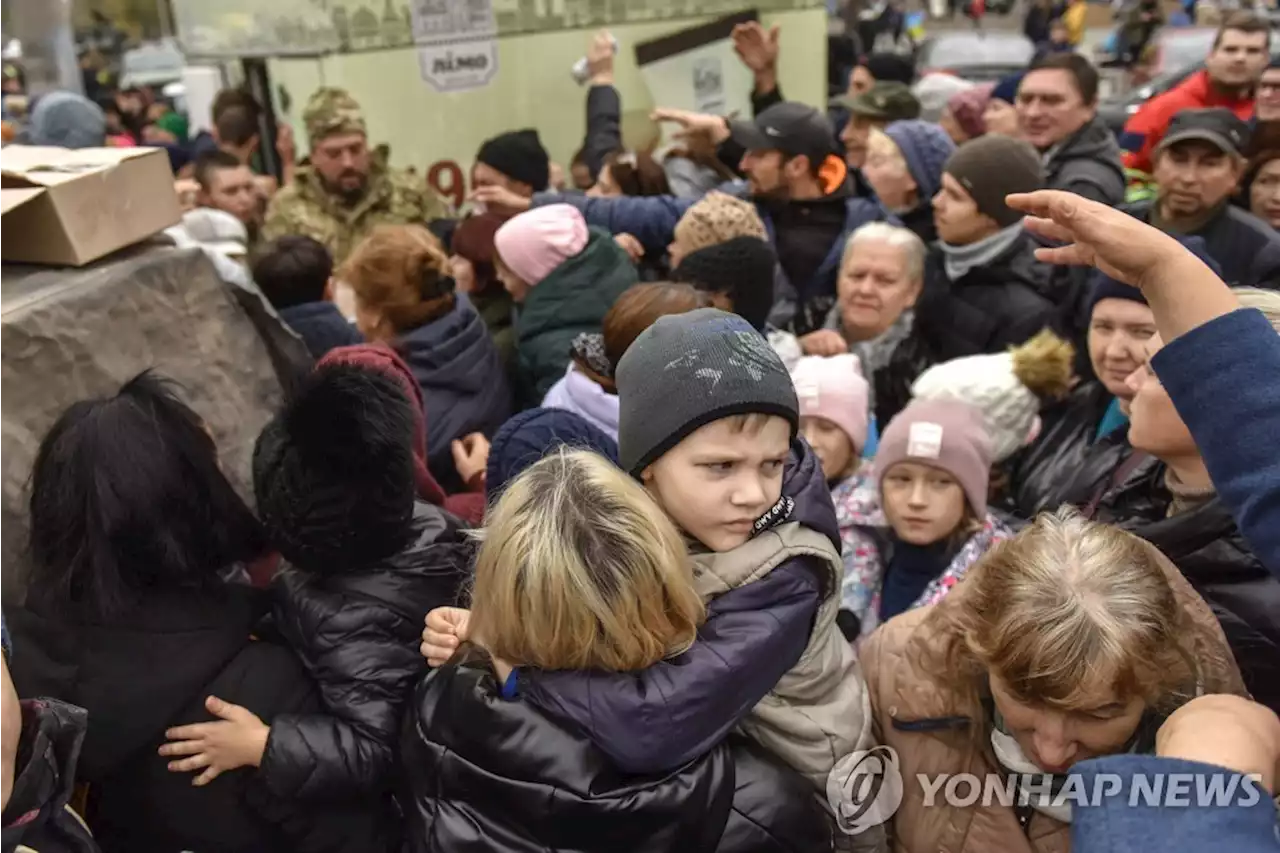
column 959, row 260
column 874, row 355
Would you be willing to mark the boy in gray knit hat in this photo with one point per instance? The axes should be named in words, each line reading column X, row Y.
column 708, row 420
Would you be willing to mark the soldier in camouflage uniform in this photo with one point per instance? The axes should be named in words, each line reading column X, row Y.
column 348, row 188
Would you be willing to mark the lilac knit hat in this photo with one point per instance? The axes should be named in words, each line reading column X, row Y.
column 946, row 434
column 539, row 240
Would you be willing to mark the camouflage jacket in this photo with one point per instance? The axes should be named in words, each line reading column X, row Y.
column 305, row 207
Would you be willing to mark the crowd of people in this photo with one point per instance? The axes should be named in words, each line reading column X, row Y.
column 624, row 506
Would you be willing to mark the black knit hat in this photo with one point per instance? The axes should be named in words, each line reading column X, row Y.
column 1103, row 286
column 742, row 268
column 688, row 370
column 333, row 471
column 520, row 156
column 992, row 167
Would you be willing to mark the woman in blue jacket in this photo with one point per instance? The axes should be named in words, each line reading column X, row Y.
column 1214, row 357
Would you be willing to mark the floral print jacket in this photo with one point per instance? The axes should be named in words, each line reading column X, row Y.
column 862, row 530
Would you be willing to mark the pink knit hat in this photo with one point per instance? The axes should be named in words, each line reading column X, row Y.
column 539, row 240
column 833, row 388
column 946, row 434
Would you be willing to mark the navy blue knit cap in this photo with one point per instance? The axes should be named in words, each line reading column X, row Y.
column 531, row 435
column 925, row 146
column 1103, row 286
column 1007, row 89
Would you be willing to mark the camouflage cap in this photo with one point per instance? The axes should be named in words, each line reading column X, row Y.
column 887, row 100
column 331, row 110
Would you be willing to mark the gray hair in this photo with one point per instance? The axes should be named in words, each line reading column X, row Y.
column 902, row 239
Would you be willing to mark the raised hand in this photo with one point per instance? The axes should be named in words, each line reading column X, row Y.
column 711, row 128
column 756, row 46
column 1096, row 235
column 600, row 59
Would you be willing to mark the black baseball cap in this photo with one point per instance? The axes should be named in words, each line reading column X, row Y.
column 1218, row 126
column 789, row 127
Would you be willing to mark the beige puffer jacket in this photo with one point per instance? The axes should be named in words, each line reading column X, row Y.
column 901, row 692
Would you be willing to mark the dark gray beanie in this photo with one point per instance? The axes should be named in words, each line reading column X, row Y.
column 688, row 370
column 992, row 167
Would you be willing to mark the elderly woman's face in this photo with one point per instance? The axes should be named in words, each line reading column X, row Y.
column 874, row 289
column 886, row 170
column 1154, row 424
column 1054, row 739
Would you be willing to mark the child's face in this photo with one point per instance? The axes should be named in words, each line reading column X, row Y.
column 923, row 504
column 832, row 445
column 514, row 284
column 721, row 478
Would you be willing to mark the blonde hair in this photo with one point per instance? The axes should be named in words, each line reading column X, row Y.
column 580, row 569
column 1266, row 301
column 1068, row 609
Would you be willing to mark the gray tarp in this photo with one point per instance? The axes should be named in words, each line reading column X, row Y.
column 70, row 334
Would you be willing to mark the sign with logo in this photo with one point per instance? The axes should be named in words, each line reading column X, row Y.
column 865, row 789
column 459, row 67
column 457, row 43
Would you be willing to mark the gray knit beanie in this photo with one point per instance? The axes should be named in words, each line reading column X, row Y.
column 67, row 120
column 993, row 166
column 688, row 370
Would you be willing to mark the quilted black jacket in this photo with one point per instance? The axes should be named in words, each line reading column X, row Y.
column 358, row 636
column 485, row 773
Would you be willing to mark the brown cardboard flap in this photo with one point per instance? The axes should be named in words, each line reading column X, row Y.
column 72, row 207
column 11, row 198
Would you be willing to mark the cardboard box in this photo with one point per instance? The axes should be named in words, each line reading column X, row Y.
column 64, row 207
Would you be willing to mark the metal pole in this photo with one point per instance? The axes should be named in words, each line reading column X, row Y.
column 48, row 44
column 259, row 83
column 164, row 9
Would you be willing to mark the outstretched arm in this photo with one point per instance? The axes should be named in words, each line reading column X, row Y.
column 1213, row 348
column 604, row 105
column 650, row 219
